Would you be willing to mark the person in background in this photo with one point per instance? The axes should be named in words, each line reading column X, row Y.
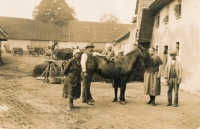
column 72, row 82
column 120, row 54
column 152, row 75
column 88, row 67
column 173, row 76
column 117, row 82
column 164, row 60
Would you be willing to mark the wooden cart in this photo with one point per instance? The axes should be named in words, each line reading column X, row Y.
column 32, row 51
column 17, row 50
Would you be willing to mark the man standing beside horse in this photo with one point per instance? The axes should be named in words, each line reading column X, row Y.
column 88, row 67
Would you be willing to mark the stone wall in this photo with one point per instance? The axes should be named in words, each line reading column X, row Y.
column 184, row 30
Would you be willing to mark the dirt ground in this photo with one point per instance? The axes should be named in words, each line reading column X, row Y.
column 28, row 103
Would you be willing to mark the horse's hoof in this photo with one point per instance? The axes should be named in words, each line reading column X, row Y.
column 114, row 100
column 149, row 102
column 123, row 102
column 68, row 109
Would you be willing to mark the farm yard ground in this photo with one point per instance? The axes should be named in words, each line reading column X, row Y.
column 27, row 103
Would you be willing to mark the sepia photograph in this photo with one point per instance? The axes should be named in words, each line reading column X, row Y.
column 99, row 64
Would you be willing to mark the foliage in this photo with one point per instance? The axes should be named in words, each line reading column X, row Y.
column 109, row 18
column 54, row 11
column 39, row 69
column 166, row 19
column 63, row 54
column 177, row 10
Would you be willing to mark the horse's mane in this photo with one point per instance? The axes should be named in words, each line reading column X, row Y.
column 102, row 57
column 138, row 47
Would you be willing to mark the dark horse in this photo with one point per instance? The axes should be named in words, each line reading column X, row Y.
column 121, row 68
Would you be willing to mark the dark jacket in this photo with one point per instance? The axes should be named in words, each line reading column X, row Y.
column 72, row 82
column 90, row 64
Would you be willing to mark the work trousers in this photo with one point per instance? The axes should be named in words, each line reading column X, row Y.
column 86, row 94
column 172, row 84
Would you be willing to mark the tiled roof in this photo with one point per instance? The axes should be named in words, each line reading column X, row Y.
column 143, row 4
column 3, row 35
column 19, row 28
column 127, row 33
column 124, row 34
column 95, row 31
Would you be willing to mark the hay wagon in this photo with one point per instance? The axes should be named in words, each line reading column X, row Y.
column 17, row 50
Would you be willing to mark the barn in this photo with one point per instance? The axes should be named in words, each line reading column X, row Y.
column 3, row 37
column 24, row 32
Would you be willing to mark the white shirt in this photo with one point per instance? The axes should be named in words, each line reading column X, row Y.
column 83, row 61
column 173, row 61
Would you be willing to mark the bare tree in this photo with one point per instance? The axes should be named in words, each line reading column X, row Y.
column 55, row 11
column 109, row 18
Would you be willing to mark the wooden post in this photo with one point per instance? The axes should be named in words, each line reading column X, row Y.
column 51, row 53
column 1, row 62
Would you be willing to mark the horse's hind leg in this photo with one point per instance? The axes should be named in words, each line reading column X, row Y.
column 123, row 89
column 114, row 84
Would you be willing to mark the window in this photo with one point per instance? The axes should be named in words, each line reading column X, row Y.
column 177, row 9
column 166, row 18
column 119, row 46
column 165, row 55
column 156, row 50
column 165, row 51
column 177, row 48
column 157, row 20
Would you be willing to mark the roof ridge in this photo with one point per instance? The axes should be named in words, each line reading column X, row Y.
column 74, row 31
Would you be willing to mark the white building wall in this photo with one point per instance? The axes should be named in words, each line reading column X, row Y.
column 16, row 43
column 186, row 31
column 127, row 44
column 132, row 39
column 122, row 45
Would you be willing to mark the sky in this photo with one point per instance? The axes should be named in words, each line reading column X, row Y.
column 86, row 10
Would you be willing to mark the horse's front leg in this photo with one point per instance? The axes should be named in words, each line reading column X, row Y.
column 122, row 90
column 114, row 84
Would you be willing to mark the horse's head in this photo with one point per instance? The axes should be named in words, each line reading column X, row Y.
column 144, row 54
